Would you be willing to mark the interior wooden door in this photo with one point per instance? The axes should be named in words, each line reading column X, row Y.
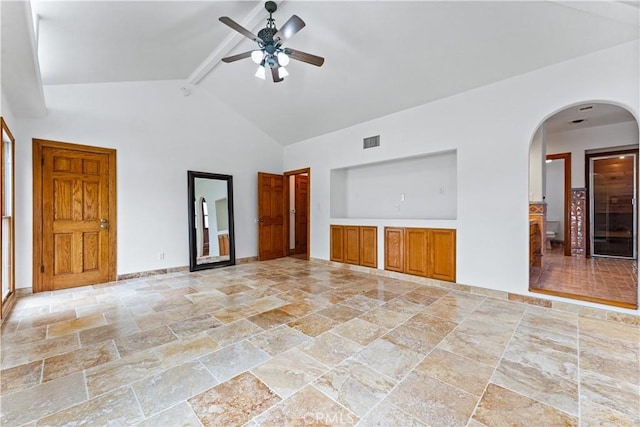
column 442, row 254
column 76, row 200
column 301, row 215
column 271, row 212
column 369, row 246
column 394, row 249
column 416, row 256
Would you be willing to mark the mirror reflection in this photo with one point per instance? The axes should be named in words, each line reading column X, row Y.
column 211, row 220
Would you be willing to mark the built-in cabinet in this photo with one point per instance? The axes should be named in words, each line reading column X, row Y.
column 354, row 244
column 427, row 252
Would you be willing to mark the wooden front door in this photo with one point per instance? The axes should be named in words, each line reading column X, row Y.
column 271, row 213
column 301, row 194
column 74, row 199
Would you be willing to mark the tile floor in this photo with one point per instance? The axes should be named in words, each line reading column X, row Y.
column 291, row 342
column 603, row 278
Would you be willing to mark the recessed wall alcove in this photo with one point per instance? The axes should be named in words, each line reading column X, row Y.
column 422, row 187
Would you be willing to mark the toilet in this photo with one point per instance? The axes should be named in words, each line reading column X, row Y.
column 552, row 230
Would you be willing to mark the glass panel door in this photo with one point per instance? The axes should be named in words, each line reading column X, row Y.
column 613, row 212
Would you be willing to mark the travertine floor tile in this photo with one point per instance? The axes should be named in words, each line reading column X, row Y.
column 78, row 360
column 20, row 377
column 537, row 384
column 161, row 390
column 390, row 359
column 427, row 359
column 355, row 386
column 433, row 402
column 500, row 406
column 466, row 374
column 387, row 415
column 330, row 348
column 179, row 415
column 307, row 407
column 313, row 324
column 118, row 407
column 36, row 402
column 233, row 403
column 289, row 372
column 279, row 340
column 234, row 359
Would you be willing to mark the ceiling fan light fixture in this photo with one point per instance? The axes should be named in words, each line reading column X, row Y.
column 260, row 73
column 283, row 59
column 282, row 72
column 257, row 56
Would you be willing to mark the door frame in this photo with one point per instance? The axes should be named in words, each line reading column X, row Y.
column 38, row 147
column 6, row 305
column 587, row 181
column 287, row 202
column 567, row 198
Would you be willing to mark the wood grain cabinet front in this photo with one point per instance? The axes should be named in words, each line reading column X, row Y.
column 337, row 243
column 426, row 252
column 394, row 249
column 354, row 244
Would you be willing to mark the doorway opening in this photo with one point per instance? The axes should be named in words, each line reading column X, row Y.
column 582, row 205
column 284, row 219
column 298, row 203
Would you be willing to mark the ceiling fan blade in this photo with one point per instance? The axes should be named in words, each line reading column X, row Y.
column 276, row 75
column 305, row 57
column 290, row 28
column 237, row 57
column 239, row 28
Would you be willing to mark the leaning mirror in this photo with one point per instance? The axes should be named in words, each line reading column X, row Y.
column 211, row 242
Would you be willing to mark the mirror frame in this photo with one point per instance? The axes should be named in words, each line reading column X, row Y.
column 193, row 250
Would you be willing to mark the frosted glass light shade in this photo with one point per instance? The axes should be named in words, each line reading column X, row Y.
column 282, row 72
column 283, row 59
column 256, row 56
column 260, row 73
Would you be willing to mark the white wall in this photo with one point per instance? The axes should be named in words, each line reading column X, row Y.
column 491, row 128
column 578, row 141
column 555, row 194
column 7, row 113
column 536, row 166
column 159, row 134
column 415, row 188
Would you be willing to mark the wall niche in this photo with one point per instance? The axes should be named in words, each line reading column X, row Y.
column 423, row 187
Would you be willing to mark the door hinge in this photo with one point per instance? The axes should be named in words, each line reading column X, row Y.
column 42, row 269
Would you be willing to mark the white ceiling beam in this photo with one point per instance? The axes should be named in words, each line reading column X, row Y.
column 626, row 12
column 252, row 21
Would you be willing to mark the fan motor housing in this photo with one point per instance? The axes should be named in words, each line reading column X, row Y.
column 266, row 34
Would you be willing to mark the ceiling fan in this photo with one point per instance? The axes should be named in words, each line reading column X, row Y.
column 270, row 52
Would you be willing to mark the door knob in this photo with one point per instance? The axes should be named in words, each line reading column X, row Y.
column 260, row 219
column 103, row 220
column 104, row 226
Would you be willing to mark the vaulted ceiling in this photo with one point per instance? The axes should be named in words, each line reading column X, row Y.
column 381, row 56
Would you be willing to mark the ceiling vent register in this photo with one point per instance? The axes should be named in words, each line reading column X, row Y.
column 371, row 142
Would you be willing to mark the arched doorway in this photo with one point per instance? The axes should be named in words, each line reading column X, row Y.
column 583, row 189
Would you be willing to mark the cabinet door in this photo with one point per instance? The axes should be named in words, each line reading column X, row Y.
column 394, row 249
column 337, row 243
column 416, row 257
column 352, row 244
column 369, row 246
column 442, row 254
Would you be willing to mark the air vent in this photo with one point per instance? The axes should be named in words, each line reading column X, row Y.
column 370, row 142
column 577, row 121
column 586, row 108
